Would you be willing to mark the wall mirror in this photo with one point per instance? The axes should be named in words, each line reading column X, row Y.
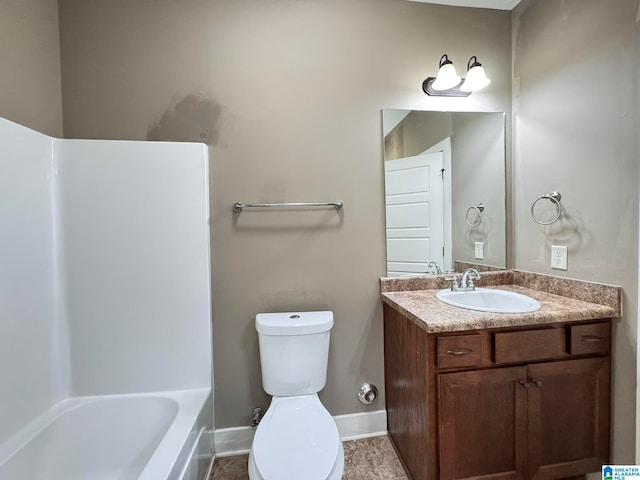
column 445, row 190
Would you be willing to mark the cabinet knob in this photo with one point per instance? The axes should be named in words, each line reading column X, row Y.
column 537, row 383
column 525, row 384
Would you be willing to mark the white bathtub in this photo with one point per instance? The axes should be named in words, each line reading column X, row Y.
column 115, row 437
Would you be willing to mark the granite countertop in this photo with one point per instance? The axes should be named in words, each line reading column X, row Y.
column 425, row 310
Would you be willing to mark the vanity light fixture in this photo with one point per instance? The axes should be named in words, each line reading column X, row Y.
column 447, row 76
column 447, row 83
column 476, row 78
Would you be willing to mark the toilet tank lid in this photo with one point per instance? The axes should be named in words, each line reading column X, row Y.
column 294, row 323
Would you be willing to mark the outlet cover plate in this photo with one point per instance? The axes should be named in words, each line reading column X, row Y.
column 559, row 256
column 479, row 250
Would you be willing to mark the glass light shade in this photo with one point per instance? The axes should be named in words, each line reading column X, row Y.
column 447, row 78
column 476, row 79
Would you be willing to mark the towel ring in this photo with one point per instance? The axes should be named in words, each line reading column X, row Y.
column 553, row 197
column 480, row 209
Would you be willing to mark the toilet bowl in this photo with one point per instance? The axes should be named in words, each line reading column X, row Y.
column 296, row 439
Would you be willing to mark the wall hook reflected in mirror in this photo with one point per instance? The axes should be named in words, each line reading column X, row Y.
column 554, row 198
column 478, row 220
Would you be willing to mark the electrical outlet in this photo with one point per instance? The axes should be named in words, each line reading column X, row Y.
column 479, row 254
column 559, row 256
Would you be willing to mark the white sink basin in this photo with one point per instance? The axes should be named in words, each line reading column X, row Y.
column 489, row 300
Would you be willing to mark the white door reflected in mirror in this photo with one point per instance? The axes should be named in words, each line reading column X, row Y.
column 415, row 213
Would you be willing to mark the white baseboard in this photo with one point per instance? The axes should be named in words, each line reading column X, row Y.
column 233, row 441
column 362, row 425
column 237, row 440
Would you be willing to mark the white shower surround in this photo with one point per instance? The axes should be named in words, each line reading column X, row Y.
column 104, row 291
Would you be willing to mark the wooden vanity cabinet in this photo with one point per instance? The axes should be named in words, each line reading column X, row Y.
column 511, row 404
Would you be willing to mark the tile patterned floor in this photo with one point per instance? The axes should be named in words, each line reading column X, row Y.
column 365, row 459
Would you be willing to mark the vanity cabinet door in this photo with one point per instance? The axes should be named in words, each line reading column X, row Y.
column 568, row 418
column 483, row 424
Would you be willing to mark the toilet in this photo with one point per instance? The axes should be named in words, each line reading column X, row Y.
column 297, row 438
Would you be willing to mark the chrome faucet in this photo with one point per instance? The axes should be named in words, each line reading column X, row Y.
column 436, row 266
column 466, row 283
column 454, row 285
column 469, row 275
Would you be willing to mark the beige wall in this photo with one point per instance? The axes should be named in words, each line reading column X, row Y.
column 575, row 127
column 30, row 92
column 289, row 94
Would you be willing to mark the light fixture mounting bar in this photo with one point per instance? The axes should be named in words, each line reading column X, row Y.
column 451, row 92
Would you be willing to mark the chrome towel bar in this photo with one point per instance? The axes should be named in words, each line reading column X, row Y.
column 239, row 206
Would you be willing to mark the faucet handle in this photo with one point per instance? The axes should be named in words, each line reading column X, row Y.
column 453, row 279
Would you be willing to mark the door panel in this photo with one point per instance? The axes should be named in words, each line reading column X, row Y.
column 414, row 197
column 483, row 424
column 408, row 249
column 408, row 215
column 409, row 178
column 568, row 418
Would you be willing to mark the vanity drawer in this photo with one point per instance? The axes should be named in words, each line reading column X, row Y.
column 590, row 338
column 459, row 351
column 528, row 345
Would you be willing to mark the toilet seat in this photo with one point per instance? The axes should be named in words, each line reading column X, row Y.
column 297, row 438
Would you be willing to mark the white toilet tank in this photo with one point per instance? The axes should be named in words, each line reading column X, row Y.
column 294, row 349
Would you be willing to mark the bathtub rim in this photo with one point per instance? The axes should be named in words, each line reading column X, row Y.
column 163, row 460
